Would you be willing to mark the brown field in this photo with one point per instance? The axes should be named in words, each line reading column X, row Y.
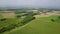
column 46, row 14
column 8, row 15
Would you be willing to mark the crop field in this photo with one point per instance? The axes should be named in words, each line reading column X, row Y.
column 42, row 25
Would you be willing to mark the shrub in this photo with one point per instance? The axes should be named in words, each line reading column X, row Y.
column 18, row 16
column 3, row 19
column 8, row 28
column 28, row 18
column 52, row 20
column 59, row 17
column 3, row 29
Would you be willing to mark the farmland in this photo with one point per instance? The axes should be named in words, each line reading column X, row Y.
column 29, row 22
column 11, row 20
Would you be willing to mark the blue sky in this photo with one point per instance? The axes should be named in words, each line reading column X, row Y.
column 30, row 3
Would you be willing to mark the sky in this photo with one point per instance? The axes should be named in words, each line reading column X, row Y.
column 30, row 3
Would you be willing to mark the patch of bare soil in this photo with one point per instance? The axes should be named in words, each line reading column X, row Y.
column 8, row 15
column 46, row 14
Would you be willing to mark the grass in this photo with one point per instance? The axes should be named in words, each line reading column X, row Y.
column 1, row 16
column 41, row 26
column 9, row 21
column 19, row 14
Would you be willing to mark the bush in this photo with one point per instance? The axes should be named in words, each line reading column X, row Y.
column 8, row 28
column 59, row 17
column 28, row 18
column 18, row 16
column 52, row 20
column 2, row 30
column 3, row 19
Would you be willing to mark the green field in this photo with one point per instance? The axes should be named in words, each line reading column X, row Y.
column 43, row 25
column 9, row 21
column 1, row 16
column 40, row 26
column 9, row 24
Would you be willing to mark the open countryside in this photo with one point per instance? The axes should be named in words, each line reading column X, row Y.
column 29, row 21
